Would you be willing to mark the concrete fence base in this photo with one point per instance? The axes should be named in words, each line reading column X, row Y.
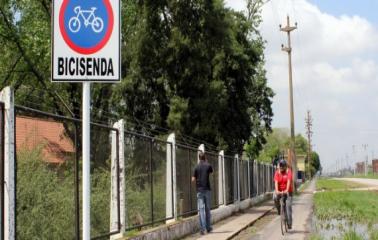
column 182, row 228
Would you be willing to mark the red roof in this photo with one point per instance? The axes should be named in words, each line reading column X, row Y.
column 48, row 134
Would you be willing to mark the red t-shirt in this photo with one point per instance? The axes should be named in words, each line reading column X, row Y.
column 282, row 179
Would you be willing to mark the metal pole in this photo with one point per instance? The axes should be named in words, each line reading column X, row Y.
column 86, row 161
column 2, row 123
column 77, row 198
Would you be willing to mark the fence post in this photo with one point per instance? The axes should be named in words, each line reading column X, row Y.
column 170, row 197
column 238, row 175
column 249, row 179
column 264, row 176
column 6, row 96
column 118, row 188
column 271, row 179
column 221, row 180
column 257, row 178
column 202, row 149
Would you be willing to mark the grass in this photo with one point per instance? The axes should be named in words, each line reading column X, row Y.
column 315, row 236
column 370, row 175
column 332, row 184
column 374, row 234
column 337, row 203
column 360, row 206
column 303, row 186
column 351, row 235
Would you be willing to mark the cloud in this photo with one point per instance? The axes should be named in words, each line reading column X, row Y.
column 335, row 75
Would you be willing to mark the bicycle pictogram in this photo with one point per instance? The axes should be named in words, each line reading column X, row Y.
column 88, row 17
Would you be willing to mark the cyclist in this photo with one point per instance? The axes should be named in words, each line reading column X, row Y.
column 283, row 182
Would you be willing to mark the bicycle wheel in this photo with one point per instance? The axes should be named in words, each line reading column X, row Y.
column 97, row 25
column 285, row 222
column 74, row 24
column 283, row 218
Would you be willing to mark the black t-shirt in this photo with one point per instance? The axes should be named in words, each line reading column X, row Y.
column 201, row 173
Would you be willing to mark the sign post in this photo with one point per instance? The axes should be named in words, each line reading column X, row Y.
column 86, row 48
column 86, row 160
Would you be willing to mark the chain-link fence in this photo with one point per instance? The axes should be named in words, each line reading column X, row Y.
column 145, row 178
column 186, row 160
column 213, row 159
column 48, row 178
column 230, row 179
column 243, row 179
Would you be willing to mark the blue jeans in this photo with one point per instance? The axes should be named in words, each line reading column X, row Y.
column 204, row 206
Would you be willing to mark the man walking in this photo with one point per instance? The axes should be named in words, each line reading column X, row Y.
column 201, row 177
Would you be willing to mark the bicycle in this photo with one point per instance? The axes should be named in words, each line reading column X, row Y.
column 283, row 214
column 97, row 23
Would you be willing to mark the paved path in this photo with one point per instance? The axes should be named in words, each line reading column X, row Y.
column 366, row 181
column 302, row 213
column 229, row 228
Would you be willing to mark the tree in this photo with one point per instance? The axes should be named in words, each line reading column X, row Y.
column 198, row 65
column 277, row 142
column 315, row 163
column 194, row 67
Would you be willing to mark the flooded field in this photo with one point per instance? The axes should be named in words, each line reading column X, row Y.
column 343, row 229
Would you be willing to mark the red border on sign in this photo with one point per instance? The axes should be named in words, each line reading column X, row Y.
column 93, row 49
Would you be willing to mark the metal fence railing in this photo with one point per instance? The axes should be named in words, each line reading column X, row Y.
column 145, row 178
column 186, row 160
column 48, row 178
column 213, row 160
column 230, row 179
column 48, row 186
column 243, row 179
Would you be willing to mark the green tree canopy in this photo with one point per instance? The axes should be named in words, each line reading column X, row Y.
column 277, row 142
column 194, row 67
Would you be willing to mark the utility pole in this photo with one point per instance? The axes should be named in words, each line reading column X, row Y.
column 354, row 159
column 308, row 121
column 287, row 49
column 364, row 146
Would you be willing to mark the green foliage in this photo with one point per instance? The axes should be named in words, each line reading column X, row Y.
column 193, row 66
column 100, row 201
column 370, row 175
column 351, row 235
column 301, row 144
column 45, row 202
column 373, row 234
column 315, row 163
column 45, row 198
column 357, row 206
column 331, row 184
column 277, row 142
column 315, row 237
column 45, row 195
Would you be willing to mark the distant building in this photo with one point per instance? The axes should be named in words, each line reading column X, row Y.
column 360, row 167
column 375, row 166
column 50, row 135
column 301, row 164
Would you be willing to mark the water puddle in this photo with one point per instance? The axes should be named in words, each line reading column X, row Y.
column 339, row 228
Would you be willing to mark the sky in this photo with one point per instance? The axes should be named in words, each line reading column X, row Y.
column 335, row 73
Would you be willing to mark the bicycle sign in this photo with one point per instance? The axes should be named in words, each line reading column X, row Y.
column 86, row 40
column 88, row 17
